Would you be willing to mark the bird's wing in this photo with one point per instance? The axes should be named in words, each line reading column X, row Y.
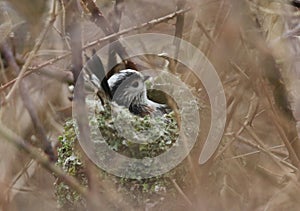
column 95, row 67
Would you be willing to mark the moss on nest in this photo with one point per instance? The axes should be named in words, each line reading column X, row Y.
column 70, row 160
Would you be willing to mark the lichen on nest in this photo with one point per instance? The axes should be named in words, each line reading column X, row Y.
column 164, row 130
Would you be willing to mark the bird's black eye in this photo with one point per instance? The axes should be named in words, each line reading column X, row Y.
column 135, row 84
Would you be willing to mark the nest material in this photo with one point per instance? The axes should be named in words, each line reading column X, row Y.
column 70, row 159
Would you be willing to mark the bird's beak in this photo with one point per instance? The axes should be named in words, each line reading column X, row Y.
column 146, row 77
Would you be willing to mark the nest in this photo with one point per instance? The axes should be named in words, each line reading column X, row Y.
column 71, row 160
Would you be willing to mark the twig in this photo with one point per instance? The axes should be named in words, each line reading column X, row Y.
column 201, row 26
column 35, row 69
column 81, row 117
column 12, row 138
column 179, row 26
column 32, row 53
column 282, row 115
column 39, row 129
column 214, row 43
column 23, row 88
column 271, row 176
column 149, row 24
column 28, row 103
column 63, row 24
column 73, row 28
column 252, row 111
column 218, row 16
column 217, row 34
column 261, row 146
column 20, row 179
column 236, row 67
column 118, row 8
column 292, row 151
column 172, row 67
column 227, row 187
column 116, row 21
column 253, row 152
column 98, row 18
column 181, row 192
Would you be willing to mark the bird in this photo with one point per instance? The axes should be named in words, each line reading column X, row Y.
column 126, row 88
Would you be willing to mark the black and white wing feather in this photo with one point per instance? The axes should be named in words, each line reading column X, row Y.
column 95, row 69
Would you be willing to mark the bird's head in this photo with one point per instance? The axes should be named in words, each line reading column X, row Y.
column 128, row 87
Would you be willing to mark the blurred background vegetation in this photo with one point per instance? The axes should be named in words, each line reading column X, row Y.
column 253, row 45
